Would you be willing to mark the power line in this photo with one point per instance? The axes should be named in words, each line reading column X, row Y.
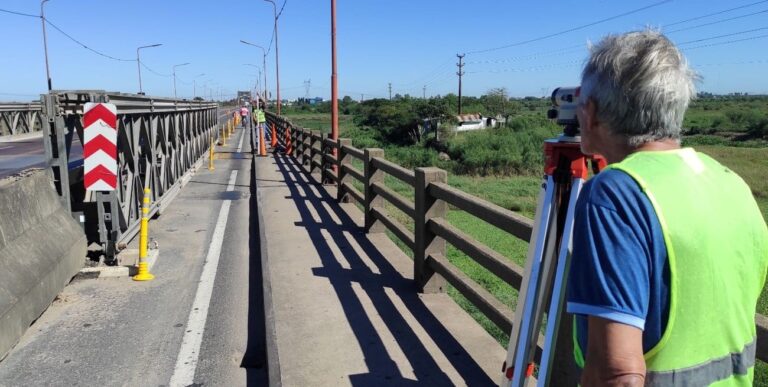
column 563, row 50
column 715, row 13
column 726, row 42
column 718, row 21
column 85, row 46
column 723, row 36
column 571, row 29
column 155, row 72
column 19, row 13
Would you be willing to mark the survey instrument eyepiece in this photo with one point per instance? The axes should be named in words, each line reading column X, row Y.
column 565, row 101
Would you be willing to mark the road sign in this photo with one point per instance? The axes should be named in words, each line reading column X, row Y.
column 100, row 146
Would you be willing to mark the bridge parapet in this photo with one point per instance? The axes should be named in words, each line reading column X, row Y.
column 332, row 160
column 160, row 142
column 17, row 118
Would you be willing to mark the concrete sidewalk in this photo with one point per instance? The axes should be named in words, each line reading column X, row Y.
column 345, row 309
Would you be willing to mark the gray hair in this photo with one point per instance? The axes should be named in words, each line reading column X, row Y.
column 641, row 85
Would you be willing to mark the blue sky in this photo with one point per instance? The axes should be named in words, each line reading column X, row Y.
column 409, row 43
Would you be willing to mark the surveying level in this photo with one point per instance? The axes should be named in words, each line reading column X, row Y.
column 548, row 260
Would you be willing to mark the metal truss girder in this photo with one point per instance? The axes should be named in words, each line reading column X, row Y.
column 159, row 141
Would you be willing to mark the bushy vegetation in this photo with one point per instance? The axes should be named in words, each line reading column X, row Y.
column 741, row 117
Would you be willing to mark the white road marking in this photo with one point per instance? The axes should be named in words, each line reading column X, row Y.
column 240, row 145
column 186, row 362
column 5, row 147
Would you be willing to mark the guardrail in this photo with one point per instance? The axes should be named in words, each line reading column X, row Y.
column 20, row 118
column 159, row 143
column 432, row 231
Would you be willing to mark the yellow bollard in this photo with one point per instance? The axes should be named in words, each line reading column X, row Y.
column 211, row 155
column 223, row 136
column 231, row 128
column 144, row 274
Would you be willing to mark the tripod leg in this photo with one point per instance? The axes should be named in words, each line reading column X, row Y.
column 519, row 337
column 558, row 289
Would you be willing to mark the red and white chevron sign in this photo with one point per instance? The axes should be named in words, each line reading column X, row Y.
column 100, row 148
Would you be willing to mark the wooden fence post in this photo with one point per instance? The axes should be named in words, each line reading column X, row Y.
column 312, row 141
column 372, row 200
column 425, row 241
column 343, row 159
column 324, row 178
column 300, row 147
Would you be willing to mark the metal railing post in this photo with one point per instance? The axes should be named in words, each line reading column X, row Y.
column 425, row 241
column 372, row 200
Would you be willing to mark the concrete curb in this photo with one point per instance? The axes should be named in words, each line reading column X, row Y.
column 21, row 137
column 130, row 257
column 273, row 358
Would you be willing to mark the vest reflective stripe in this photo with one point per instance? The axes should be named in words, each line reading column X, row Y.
column 707, row 373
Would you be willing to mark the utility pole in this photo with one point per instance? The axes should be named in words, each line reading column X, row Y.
column 45, row 44
column 334, row 86
column 277, row 63
column 307, row 86
column 424, row 92
column 390, row 91
column 460, row 73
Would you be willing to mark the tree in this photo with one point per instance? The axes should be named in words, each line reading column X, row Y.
column 495, row 101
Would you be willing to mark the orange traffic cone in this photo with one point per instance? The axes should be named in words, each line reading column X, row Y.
column 273, row 137
column 262, row 142
column 288, row 145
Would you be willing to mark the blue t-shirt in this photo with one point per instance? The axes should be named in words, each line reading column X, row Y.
column 619, row 269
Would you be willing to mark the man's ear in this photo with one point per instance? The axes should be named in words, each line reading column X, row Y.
column 590, row 113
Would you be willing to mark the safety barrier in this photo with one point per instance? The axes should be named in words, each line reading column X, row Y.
column 431, row 231
column 41, row 249
column 20, row 118
column 160, row 142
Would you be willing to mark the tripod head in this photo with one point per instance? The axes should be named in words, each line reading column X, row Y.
column 565, row 101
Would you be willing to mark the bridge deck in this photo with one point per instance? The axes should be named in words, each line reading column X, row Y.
column 341, row 306
column 345, row 308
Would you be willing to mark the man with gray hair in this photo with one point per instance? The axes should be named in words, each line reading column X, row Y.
column 670, row 250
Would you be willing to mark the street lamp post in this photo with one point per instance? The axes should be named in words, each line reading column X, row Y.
column 45, row 44
column 174, row 78
column 264, row 64
column 138, row 63
column 277, row 64
column 194, row 85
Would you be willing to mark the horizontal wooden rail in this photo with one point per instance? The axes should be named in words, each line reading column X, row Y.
column 354, row 152
column 330, row 143
column 352, row 171
column 330, row 173
column 395, row 170
column 761, row 323
column 357, row 195
column 498, row 216
column 329, row 158
column 495, row 310
column 496, row 263
column 396, row 199
column 396, row 227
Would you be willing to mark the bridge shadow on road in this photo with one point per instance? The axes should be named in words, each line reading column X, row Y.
column 394, row 297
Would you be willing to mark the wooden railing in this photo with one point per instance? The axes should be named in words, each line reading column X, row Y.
column 431, row 230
